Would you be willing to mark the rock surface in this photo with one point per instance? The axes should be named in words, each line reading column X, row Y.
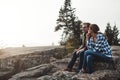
column 34, row 57
column 53, row 70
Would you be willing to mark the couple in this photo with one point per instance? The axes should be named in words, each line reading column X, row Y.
column 94, row 48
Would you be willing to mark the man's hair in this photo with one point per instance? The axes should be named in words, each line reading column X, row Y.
column 86, row 23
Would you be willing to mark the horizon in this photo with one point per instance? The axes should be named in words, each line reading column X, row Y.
column 32, row 22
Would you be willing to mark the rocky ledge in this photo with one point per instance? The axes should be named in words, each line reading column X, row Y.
column 54, row 70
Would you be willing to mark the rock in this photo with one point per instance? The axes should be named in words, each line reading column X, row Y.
column 34, row 72
column 54, row 69
column 31, row 58
column 98, row 75
column 4, row 75
column 55, row 72
column 62, row 75
column 52, row 59
column 59, row 75
column 61, row 64
column 107, row 65
column 59, row 53
column 46, row 77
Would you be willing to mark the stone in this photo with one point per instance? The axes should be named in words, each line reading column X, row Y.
column 50, row 67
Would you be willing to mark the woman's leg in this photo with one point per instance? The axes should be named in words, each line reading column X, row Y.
column 89, row 55
column 88, row 61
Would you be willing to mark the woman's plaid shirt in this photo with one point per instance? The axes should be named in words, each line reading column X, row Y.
column 101, row 45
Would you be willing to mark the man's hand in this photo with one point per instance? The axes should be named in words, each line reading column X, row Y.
column 80, row 50
column 76, row 50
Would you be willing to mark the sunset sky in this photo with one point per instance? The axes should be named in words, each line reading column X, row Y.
column 32, row 22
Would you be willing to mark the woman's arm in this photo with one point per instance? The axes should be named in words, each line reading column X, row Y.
column 99, row 43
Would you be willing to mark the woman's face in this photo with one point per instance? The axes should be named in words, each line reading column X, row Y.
column 90, row 30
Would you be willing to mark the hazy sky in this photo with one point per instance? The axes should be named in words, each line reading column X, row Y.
column 32, row 22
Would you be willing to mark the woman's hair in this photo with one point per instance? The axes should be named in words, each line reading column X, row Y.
column 94, row 28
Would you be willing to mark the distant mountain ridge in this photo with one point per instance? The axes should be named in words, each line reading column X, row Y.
column 13, row 51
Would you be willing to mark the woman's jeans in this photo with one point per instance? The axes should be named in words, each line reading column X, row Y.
column 90, row 56
column 73, row 59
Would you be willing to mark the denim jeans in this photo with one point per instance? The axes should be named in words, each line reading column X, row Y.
column 90, row 56
column 81, row 58
column 73, row 59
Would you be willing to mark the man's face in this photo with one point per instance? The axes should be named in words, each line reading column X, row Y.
column 85, row 28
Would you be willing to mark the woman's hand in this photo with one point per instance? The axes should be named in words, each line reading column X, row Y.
column 88, row 35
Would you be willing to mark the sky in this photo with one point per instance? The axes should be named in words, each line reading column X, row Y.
column 32, row 22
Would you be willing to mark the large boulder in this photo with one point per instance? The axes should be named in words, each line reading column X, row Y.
column 34, row 72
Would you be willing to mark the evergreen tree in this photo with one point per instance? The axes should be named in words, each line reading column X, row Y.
column 115, row 35
column 109, row 33
column 112, row 34
column 68, row 22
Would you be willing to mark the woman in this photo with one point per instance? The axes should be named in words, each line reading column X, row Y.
column 98, row 48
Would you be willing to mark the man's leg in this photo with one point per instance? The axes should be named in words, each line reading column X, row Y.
column 72, row 61
column 81, row 58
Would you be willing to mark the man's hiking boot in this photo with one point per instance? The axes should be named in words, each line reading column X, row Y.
column 68, row 69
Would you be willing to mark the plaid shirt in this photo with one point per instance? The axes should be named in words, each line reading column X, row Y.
column 101, row 45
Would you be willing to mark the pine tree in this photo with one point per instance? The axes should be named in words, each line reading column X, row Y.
column 115, row 35
column 109, row 33
column 112, row 34
column 68, row 22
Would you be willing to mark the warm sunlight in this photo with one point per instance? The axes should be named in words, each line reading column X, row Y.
column 32, row 22
column 59, row 40
column 28, row 22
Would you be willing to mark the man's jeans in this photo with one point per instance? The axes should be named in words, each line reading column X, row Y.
column 90, row 56
column 73, row 59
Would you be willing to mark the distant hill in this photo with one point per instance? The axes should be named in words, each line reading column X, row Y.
column 12, row 51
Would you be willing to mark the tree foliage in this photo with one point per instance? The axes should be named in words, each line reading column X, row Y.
column 112, row 34
column 69, row 23
column 115, row 35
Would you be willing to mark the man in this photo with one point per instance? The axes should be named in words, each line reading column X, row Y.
column 80, row 51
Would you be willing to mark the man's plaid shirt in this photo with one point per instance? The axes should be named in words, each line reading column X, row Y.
column 101, row 45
